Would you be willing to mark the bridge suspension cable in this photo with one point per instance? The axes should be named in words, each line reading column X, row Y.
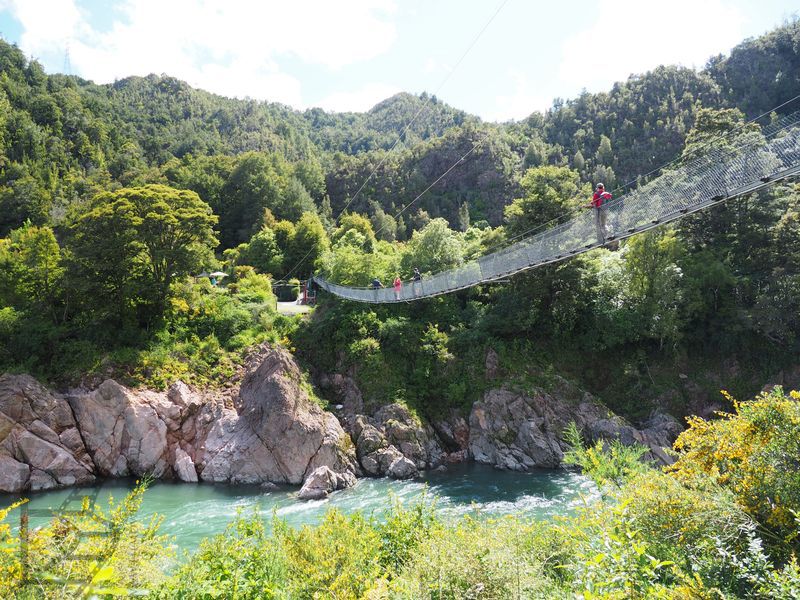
column 408, row 125
column 729, row 169
column 643, row 178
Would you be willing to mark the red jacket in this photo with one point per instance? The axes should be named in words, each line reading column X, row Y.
column 600, row 198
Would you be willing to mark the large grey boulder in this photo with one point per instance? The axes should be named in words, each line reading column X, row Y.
column 415, row 439
column 123, row 430
column 40, row 447
column 14, row 475
column 392, row 433
column 521, row 431
column 396, row 465
column 322, row 481
column 280, row 434
column 369, row 442
column 184, row 467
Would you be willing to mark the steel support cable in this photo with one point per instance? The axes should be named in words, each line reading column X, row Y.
column 709, row 142
column 437, row 180
column 409, row 124
column 769, row 129
column 719, row 174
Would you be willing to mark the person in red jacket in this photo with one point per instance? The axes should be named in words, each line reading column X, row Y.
column 398, row 286
column 599, row 203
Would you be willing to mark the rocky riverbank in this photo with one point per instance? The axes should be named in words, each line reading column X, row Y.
column 507, row 428
column 274, row 432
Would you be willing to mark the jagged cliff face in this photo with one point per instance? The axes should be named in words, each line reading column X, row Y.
column 522, row 431
column 275, row 433
column 40, row 444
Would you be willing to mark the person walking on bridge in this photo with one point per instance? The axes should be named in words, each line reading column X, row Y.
column 398, row 286
column 417, row 281
column 599, row 203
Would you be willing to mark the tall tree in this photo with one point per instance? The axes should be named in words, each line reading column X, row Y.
column 434, row 248
column 307, row 246
column 257, row 182
column 263, row 253
column 550, row 192
column 134, row 242
column 30, row 269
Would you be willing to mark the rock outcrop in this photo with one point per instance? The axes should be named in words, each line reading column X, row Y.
column 322, row 481
column 125, row 431
column 40, row 445
column 270, row 431
column 276, row 434
column 519, row 431
column 453, row 432
column 393, row 442
column 522, row 431
column 657, row 433
column 415, row 439
column 279, row 435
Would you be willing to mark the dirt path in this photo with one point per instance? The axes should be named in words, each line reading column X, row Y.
column 292, row 308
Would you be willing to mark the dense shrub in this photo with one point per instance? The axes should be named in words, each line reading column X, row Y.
column 241, row 563
column 129, row 554
column 495, row 559
column 755, row 453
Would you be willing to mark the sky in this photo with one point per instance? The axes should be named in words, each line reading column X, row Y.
column 499, row 59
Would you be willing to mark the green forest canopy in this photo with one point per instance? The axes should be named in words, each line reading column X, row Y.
column 255, row 188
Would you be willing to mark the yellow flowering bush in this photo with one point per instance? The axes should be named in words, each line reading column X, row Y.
column 10, row 565
column 674, row 516
column 754, row 452
column 339, row 558
column 90, row 552
column 487, row 559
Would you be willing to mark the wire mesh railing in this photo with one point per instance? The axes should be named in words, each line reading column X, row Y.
column 734, row 166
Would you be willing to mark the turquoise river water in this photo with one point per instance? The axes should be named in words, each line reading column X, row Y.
column 194, row 511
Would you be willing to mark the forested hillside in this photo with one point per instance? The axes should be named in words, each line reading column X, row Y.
column 98, row 183
column 64, row 138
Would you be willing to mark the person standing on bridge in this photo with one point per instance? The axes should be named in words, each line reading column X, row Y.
column 398, row 286
column 599, row 203
column 417, row 279
column 376, row 285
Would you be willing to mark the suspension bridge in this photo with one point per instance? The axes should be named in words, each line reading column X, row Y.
column 728, row 168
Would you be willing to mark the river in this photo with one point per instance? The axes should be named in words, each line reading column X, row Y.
column 194, row 511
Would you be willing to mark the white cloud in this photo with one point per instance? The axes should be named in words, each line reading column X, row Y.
column 521, row 102
column 55, row 22
column 359, row 100
column 633, row 36
column 433, row 66
column 227, row 46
